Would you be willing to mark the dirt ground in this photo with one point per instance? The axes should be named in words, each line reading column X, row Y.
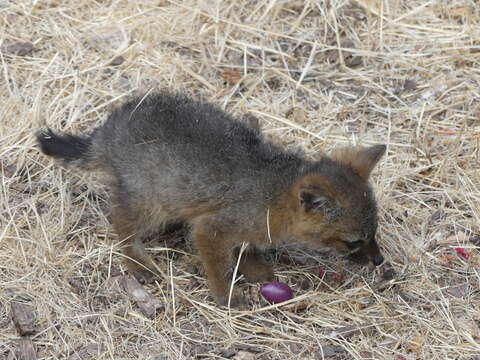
column 318, row 74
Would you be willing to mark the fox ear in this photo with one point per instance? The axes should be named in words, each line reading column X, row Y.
column 362, row 160
column 366, row 160
column 313, row 200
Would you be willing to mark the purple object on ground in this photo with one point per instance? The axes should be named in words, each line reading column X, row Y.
column 276, row 292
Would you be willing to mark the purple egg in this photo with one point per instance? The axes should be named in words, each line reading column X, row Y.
column 276, row 292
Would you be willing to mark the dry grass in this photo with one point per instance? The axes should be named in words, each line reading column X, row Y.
column 318, row 74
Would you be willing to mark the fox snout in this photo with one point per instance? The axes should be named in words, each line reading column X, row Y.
column 368, row 253
column 374, row 253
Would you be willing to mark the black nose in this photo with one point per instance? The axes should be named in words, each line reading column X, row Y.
column 377, row 260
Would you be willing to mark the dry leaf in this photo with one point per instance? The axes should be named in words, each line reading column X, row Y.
column 227, row 353
column 89, row 351
column 456, row 13
column 298, row 307
column 446, row 259
column 416, row 345
column 434, row 91
column 231, row 76
column 298, row 115
column 475, row 240
column 24, row 318
column 458, row 291
column 352, row 61
column 25, row 350
column 113, row 40
column 117, row 60
column 457, row 238
column 470, row 327
column 330, row 352
column 244, row 355
column 347, row 332
column 145, row 301
column 18, row 48
column 409, row 85
column 388, row 274
column 460, row 12
column 42, row 5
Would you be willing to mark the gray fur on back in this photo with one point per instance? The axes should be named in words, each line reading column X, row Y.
column 171, row 151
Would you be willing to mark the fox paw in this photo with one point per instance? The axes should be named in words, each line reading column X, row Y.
column 237, row 300
column 144, row 276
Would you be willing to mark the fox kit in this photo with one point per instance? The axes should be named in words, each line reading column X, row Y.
column 172, row 159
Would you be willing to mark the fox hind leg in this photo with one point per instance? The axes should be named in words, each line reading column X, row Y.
column 130, row 230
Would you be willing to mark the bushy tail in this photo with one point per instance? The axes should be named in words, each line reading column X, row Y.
column 73, row 150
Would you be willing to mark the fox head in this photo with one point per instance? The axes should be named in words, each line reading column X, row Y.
column 334, row 205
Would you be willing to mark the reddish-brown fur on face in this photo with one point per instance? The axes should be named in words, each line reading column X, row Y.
column 320, row 212
column 172, row 159
column 311, row 201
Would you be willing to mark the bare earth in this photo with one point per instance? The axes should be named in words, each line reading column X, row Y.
column 317, row 74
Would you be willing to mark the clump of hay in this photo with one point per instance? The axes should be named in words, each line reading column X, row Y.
column 317, row 75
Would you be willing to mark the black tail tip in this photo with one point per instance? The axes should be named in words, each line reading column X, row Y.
column 64, row 146
column 44, row 136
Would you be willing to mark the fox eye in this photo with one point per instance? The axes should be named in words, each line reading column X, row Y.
column 354, row 244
